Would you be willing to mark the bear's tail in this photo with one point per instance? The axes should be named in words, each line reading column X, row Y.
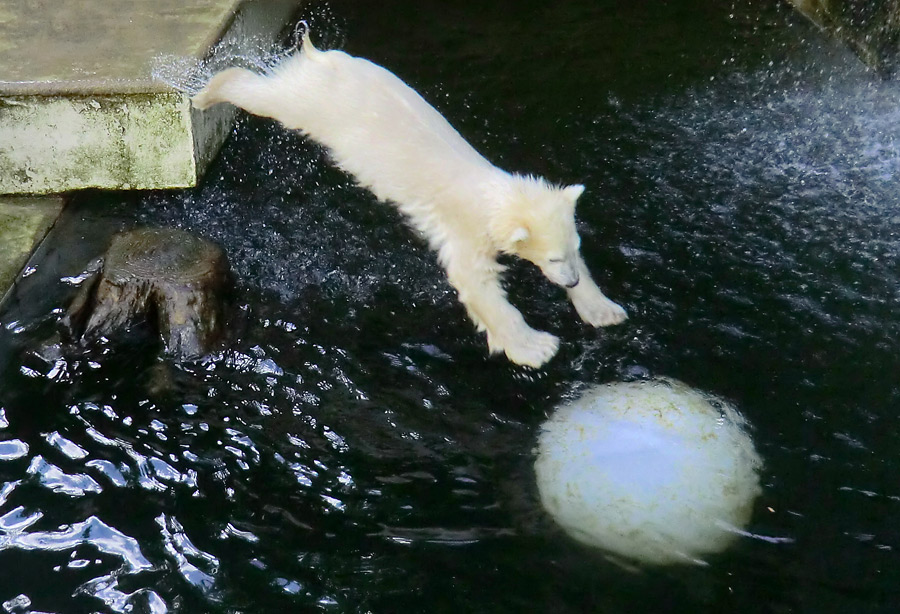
column 238, row 86
column 308, row 49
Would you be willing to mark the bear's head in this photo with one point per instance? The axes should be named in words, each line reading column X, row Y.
column 536, row 221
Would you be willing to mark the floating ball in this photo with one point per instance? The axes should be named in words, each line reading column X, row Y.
column 651, row 471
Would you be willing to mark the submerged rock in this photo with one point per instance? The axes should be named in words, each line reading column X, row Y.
column 871, row 28
column 176, row 282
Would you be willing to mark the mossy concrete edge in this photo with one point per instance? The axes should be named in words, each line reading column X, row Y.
column 24, row 222
column 55, row 144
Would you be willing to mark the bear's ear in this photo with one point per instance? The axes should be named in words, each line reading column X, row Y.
column 519, row 235
column 573, row 191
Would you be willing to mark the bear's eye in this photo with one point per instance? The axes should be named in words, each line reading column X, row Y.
column 555, row 260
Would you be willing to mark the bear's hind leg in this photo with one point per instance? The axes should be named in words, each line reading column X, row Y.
column 256, row 94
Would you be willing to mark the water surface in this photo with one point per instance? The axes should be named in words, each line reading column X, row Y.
column 357, row 451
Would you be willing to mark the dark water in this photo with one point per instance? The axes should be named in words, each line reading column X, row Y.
column 356, row 451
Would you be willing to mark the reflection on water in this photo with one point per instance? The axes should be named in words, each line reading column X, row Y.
column 292, row 470
column 356, row 451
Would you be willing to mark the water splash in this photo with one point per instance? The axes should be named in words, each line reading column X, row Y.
column 188, row 75
column 258, row 53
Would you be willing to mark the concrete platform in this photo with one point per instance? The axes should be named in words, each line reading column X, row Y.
column 24, row 221
column 79, row 107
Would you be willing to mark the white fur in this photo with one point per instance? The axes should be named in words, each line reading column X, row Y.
column 394, row 143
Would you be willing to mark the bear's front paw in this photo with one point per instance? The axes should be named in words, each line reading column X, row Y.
column 598, row 310
column 532, row 348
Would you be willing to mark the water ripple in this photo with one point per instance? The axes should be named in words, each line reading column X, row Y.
column 355, row 449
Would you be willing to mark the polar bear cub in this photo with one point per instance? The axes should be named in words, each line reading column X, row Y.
column 394, row 143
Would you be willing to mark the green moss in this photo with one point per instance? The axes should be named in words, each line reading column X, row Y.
column 125, row 141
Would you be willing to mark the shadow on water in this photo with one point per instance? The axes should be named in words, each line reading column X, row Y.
column 356, row 450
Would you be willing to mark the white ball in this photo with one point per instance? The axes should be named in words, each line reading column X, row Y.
column 651, row 471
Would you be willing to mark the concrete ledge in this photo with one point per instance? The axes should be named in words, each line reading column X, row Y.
column 141, row 141
column 79, row 107
column 23, row 224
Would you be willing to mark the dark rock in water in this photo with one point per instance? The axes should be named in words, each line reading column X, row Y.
column 175, row 281
column 871, row 28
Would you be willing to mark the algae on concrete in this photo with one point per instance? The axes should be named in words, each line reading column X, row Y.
column 139, row 141
column 24, row 222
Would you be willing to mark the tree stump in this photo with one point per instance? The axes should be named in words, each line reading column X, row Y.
column 176, row 282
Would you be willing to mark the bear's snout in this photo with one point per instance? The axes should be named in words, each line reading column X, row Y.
column 564, row 275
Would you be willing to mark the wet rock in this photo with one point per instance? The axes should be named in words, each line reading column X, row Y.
column 871, row 28
column 176, row 282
